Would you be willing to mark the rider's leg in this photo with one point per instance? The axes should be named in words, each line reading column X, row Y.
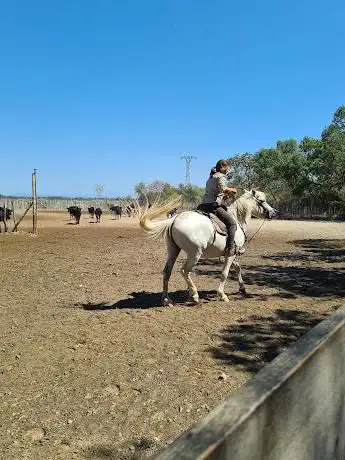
column 206, row 207
column 231, row 227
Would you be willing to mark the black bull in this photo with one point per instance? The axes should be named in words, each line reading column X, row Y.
column 75, row 212
column 3, row 217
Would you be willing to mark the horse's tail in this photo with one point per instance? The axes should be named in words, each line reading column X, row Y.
column 159, row 228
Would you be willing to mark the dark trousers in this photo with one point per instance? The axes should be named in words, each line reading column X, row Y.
column 222, row 213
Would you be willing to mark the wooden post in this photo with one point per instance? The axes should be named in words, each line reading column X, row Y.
column 34, row 203
column 25, row 213
column 13, row 216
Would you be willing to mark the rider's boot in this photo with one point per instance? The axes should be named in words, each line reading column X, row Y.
column 230, row 249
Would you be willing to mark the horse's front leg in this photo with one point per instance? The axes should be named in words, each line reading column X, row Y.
column 238, row 269
column 224, row 276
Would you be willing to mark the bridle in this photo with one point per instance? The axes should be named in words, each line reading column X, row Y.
column 261, row 204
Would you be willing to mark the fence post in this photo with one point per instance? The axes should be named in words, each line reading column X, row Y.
column 13, row 214
column 34, row 201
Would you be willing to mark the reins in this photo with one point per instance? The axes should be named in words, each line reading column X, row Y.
column 257, row 231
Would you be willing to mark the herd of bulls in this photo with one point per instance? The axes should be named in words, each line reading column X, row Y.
column 75, row 212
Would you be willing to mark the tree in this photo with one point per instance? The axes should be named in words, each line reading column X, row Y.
column 309, row 171
column 191, row 193
column 242, row 171
column 152, row 191
column 326, row 158
column 160, row 190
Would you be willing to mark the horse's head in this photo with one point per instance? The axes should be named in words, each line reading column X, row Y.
column 261, row 205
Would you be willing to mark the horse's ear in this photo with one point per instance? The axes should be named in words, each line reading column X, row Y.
column 253, row 192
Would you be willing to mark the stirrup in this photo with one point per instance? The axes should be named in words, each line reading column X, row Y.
column 235, row 250
column 227, row 252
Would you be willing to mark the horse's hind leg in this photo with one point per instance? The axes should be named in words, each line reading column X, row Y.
column 238, row 269
column 224, row 276
column 192, row 260
column 173, row 252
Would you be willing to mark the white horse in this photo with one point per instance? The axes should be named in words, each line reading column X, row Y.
column 194, row 233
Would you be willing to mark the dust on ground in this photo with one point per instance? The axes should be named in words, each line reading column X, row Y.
column 82, row 379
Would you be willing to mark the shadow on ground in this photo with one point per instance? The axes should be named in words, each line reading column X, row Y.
column 304, row 279
column 291, row 281
column 256, row 340
column 136, row 450
column 144, row 300
column 314, row 250
column 216, row 262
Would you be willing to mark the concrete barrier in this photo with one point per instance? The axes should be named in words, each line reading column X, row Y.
column 293, row 409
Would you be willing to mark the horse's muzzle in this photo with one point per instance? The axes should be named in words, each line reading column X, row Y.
column 271, row 213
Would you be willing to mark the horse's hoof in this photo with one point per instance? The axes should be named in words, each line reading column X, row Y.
column 194, row 299
column 167, row 303
column 223, row 297
column 242, row 290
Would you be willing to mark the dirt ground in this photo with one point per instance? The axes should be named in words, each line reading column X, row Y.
column 92, row 367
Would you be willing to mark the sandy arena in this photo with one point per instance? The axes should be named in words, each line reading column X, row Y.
column 83, row 381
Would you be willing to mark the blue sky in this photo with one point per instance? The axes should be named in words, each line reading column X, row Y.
column 114, row 92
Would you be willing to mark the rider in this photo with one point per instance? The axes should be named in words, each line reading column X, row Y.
column 216, row 187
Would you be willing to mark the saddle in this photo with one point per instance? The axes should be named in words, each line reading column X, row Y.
column 218, row 225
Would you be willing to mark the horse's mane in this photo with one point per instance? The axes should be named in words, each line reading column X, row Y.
column 241, row 207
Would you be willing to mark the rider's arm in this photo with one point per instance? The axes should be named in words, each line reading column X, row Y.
column 223, row 186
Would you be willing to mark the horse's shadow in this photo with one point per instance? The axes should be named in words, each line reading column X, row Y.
column 144, row 300
column 217, row 262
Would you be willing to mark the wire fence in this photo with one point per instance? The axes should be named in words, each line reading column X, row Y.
column 288, row 211
column 295, row 211
column 61, row 204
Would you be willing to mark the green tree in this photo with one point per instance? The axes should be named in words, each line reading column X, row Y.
column 242, row 171
column 160, row 190
column 283, row 172
column 191, row 193
column 326, row 158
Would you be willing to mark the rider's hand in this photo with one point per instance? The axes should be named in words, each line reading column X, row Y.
column 230, row 190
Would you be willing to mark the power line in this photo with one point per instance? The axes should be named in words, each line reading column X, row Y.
column 188, row 159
